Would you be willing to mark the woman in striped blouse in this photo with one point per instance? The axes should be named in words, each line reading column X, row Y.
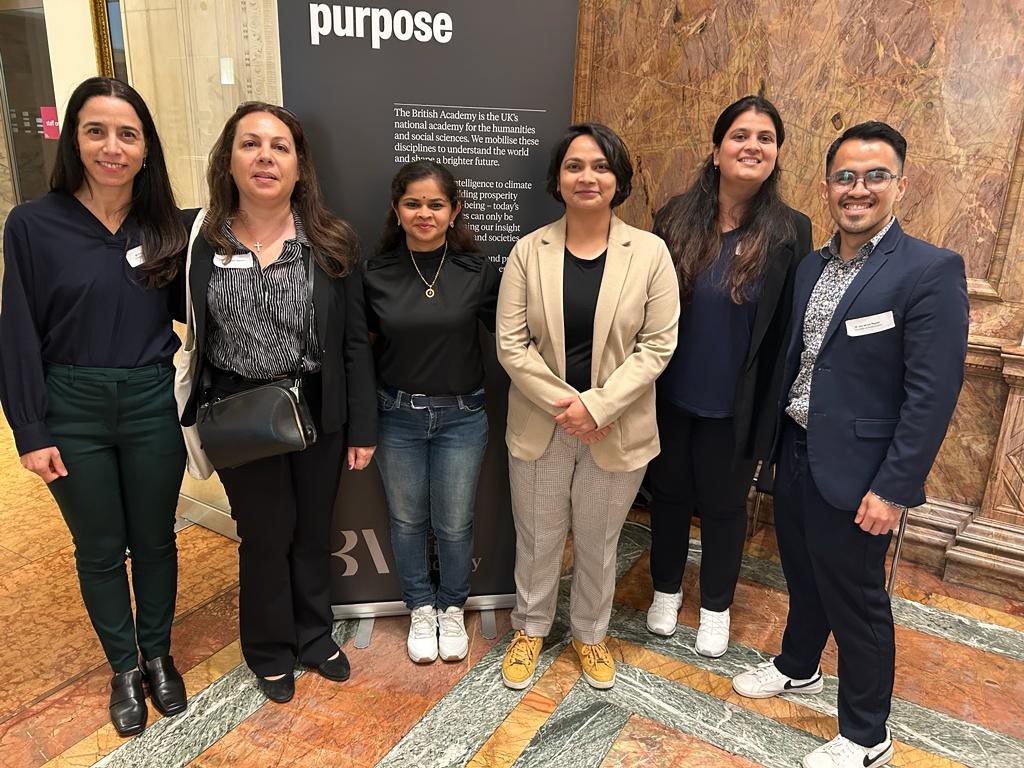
column 249, row 289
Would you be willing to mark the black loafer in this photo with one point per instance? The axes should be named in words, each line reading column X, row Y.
column 166, row 687
column 128, row 703
column 280, row 690
column 336, row 669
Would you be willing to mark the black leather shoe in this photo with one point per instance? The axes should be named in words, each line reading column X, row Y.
column 280, row 690
column 336, row 669
column 128, row 703
column 166, row 687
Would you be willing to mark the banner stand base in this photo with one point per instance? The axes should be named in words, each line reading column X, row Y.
column 488, row 625
column 364, row 633
column 397, row 607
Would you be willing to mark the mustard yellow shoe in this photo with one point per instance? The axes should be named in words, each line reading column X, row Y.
column 520, row 660
column 597, row 663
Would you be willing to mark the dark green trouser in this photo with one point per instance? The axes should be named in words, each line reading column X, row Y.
column 118, row 435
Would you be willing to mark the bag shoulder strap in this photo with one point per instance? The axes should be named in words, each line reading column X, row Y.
column 197, row 225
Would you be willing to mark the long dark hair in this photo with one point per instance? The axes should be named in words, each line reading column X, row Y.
column 152, row 205
column 688, row 223
column 334, row 242
column 460, row 236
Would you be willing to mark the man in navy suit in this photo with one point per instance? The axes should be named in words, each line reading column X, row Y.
column 873, row 371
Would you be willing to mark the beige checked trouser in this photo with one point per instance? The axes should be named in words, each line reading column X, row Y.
column 564, row 488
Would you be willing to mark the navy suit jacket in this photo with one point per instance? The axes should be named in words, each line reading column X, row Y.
column 881, row 402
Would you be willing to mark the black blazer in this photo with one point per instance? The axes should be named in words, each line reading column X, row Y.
column 881, row 399
column 349, row 389
column 757, row 392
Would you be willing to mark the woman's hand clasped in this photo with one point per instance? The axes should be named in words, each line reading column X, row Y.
column 46, row 462
column 577, row 421
column 359, row 458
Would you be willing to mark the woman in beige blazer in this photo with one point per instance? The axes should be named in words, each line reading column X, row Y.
column 587, row 316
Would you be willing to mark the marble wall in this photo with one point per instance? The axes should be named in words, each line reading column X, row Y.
column 949, row 75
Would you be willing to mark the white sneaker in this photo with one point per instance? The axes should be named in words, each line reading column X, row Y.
column 843, row 753
column 422, row 642
column 712, row 633
column 453, row 642
column 663, row 614
column 765, row 681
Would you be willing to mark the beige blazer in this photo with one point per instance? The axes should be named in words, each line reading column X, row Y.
column 635, row 328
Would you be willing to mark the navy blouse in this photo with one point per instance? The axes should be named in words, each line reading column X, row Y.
column 71, row 295
column 714, row 336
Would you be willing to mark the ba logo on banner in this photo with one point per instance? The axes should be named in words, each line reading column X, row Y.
column 372, row 544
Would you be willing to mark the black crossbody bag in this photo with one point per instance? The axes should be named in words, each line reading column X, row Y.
column 268, row 420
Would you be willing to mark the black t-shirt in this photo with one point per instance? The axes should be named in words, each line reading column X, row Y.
column 430, row 346
column 581, row 283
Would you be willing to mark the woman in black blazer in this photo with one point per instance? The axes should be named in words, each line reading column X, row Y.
column 736, row 247
column 248, row 283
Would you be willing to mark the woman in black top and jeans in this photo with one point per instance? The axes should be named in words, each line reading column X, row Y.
column 86, row 376
column 248, row 282
column 736, row 247
column 427, row 290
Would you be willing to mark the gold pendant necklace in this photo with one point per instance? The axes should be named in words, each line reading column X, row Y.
column 430, row 292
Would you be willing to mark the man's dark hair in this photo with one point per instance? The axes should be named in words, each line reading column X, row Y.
column 872, row 129
column 612, row 147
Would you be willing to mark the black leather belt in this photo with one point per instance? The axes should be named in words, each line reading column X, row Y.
column 422, row 402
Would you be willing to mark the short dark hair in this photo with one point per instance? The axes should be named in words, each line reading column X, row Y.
column 872, row 129
column 152, row 205
column 614, row 151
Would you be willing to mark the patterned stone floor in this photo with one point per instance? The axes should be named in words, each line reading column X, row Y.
column 959, row 687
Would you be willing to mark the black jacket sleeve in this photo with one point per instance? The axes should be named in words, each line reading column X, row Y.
column 359, row 372
column 22, row 380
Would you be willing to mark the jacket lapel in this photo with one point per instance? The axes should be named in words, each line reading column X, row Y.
column 774, row 280
column 551, row 258
column 801, row 295
column 616, row 267
column 321, row 302
column 874, row 263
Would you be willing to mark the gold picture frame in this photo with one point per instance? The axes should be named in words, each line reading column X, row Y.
column 101, row 37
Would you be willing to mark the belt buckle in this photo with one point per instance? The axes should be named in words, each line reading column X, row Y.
column 412, row 403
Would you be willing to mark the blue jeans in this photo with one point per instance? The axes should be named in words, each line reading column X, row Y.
column 429, row 459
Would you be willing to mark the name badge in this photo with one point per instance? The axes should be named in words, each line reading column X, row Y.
column 862, row 326
column 238, row 261
column 134, row 256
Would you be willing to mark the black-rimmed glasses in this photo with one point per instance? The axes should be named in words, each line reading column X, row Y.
column 876, row 180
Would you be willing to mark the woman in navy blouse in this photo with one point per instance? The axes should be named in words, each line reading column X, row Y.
column 736, row 247
column 86, row 376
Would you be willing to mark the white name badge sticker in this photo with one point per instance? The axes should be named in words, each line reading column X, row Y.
column 134, row 256
column 238, row 261
column 862, row 326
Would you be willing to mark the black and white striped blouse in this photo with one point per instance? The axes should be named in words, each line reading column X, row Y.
column 256, row 314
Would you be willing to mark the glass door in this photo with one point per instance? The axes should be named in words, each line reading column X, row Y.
column 26, row 96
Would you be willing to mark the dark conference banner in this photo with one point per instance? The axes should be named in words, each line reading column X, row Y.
column 482, row 86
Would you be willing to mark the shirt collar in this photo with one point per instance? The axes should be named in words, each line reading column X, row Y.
column 831, row 249
column 300, row 234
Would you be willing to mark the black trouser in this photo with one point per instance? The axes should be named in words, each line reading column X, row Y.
column 696, row 470
column 836, row 578
column 118, row 434
column 282, row 508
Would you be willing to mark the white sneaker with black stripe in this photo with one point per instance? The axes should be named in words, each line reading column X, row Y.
column 765, row 681
column 843, row 753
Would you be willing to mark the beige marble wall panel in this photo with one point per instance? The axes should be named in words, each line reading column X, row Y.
column 154, row 39
column 962, row 467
